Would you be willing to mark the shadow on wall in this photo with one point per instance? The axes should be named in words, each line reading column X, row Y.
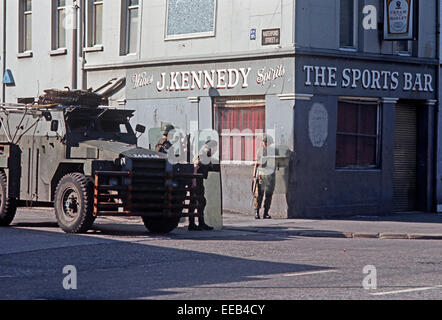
column 237, row 182
column 237, row 179
column 281, row 203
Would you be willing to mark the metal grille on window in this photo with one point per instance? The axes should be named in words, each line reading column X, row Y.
column 405, row 158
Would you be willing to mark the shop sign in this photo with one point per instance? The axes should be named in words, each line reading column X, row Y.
column 193, row 80
column 203, row 79
column 367, row 79
column 265, row 74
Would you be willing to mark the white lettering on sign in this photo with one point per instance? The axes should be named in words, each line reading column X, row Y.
column 203, row 79
column 145, row 156
column 321, row 76
column 141, row 80
column 265, row 75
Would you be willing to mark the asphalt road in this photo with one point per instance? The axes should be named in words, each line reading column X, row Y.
column 119, row 259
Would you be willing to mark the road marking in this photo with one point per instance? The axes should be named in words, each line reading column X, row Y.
column 308, row 273
column 405, row 291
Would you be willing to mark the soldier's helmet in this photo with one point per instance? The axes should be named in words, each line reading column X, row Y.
column 267, row 139
column 166, row 128
column 211, row 143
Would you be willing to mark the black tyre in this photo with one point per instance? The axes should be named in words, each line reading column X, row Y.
column 8, row 206
column 74, row 203
column 161, row 225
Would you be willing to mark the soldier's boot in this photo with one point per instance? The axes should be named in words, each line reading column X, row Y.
column 266, row 214
column 202, row 224
column 257, row 217
column 192, row 225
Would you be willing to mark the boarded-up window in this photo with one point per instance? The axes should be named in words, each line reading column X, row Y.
column 190, row 18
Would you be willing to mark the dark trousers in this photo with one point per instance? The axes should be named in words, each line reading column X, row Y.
column 199, row 203
column 264, row 191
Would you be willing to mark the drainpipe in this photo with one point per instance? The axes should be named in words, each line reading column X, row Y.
column 83, row 40
column 437, row 139
column 4, row 51
column 74, row 45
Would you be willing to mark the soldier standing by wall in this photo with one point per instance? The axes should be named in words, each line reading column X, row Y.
column 202, row 166
column 264, row 178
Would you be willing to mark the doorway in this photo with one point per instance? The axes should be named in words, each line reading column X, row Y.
column 405, row 158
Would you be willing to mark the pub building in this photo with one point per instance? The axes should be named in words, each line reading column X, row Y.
column 353, row 116
column 348, row 89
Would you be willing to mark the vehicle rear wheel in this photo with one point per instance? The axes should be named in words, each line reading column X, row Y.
column 161, row 225
column 74, row 203
column 8, row 206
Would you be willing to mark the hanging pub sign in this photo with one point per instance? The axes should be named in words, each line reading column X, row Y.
column 399, row 18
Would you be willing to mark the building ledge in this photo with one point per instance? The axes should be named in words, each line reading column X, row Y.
column 58, row 52
column 96, row 48
column 26, row 54
column 356, row 55
column 258, row 54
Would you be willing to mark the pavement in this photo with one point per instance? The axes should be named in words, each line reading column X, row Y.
column 407, row 226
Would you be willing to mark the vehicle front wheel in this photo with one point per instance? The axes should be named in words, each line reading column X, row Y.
column 8, row 206
column 161, row 225
column 74, row 203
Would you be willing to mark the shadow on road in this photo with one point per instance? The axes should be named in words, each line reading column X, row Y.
column 112, row 269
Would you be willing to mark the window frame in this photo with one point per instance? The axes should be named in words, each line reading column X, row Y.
column 92, row 34
column 125, row 27
column 206, row 34
column 354, row 46
column 23, row 27
column 56, row 8
column 408, row 52
column 239, row 103
column 364, row 167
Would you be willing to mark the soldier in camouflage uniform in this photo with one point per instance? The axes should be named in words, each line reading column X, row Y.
column 202, row 167
column 163, row 144
column 265, row 178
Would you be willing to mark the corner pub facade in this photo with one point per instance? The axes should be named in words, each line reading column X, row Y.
column 354, row 116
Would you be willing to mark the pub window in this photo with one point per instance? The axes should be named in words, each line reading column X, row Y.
column 95, row 21
column 58, row 24
column 190, row 18
column 240, row 124
column 348, row 24
column 403, row 47
column 25, row 25
column 358, row 135
column 130, row 24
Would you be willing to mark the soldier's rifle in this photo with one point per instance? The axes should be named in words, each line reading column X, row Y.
column 254, row 181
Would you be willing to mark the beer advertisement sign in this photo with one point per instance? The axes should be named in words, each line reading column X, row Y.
column 398, row 19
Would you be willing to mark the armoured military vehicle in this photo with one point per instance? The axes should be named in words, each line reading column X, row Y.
column 84, row 160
